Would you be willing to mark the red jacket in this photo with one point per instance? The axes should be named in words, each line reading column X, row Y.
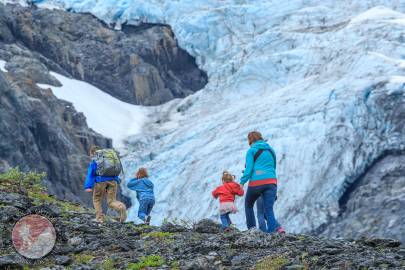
column 227, row 192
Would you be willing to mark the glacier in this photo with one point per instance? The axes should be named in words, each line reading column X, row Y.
column 320, row 80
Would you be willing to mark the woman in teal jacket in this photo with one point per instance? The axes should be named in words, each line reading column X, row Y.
column 260, row 171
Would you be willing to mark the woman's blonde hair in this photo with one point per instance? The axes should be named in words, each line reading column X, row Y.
column 142, row 173
column 227, row 177
column 254, row 136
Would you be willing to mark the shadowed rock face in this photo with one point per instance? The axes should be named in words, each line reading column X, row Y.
column 140, row 64
column 39, row 132
column 375, row 203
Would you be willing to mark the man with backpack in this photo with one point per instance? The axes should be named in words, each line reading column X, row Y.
column 103, row 177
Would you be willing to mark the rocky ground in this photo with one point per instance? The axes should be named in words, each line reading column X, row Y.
column 84, row 244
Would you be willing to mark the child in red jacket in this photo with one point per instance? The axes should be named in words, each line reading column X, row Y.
column 226, row 194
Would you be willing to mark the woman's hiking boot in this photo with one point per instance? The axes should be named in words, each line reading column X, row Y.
column 280, row 230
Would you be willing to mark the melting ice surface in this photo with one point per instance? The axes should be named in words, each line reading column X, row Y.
column 308, row 74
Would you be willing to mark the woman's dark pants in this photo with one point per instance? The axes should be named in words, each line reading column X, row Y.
column 269, row 193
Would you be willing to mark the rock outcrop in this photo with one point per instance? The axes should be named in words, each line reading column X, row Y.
column 375, row 203
column 140, row 64
column 83, row 244
column 41, row 133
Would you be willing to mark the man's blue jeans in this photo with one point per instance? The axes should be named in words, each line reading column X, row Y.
column 225, row 220
column 261, row 217
column 145, row 207
column 268, row 192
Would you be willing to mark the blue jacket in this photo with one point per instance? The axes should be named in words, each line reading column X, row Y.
column 143, row 188
column 92, row 178
column 262, row 171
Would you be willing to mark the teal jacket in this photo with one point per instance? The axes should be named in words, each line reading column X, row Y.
column 263, row 171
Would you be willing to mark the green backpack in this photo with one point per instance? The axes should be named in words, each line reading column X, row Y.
column 108, row 162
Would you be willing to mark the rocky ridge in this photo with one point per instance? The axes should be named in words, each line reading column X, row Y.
column 84, row 244
column 139, row 64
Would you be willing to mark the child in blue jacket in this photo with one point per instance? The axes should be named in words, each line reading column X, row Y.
column 144, row 193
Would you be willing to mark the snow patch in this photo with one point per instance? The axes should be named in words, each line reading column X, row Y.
column 397, row 79
column 377, row 13
column 105, row 114
column 17, row 2
column 3, row 65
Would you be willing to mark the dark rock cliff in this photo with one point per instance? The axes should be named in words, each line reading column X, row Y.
column 140, row 64
column 375, row 203
column 39, row 132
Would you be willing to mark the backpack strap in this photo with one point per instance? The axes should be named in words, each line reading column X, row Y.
column 260, row 151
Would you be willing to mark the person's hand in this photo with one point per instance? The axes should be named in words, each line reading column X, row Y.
column 88, row 190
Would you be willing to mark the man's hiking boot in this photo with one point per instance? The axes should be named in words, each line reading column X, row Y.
column 147, row 220
column 123, row 215
column 98, row 222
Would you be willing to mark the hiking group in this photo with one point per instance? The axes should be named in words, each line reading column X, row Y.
column 260, row 171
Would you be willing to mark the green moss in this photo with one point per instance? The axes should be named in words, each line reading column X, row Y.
column 159, row 235
column 143, row 227
column 150, row 261
column 40, row 198
column 83, row 258
column 175, row 265
column 108, row 264
column 15, row 180
column 272, row 263
column 67, row 206
column 140, row 228
column 131, row 225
